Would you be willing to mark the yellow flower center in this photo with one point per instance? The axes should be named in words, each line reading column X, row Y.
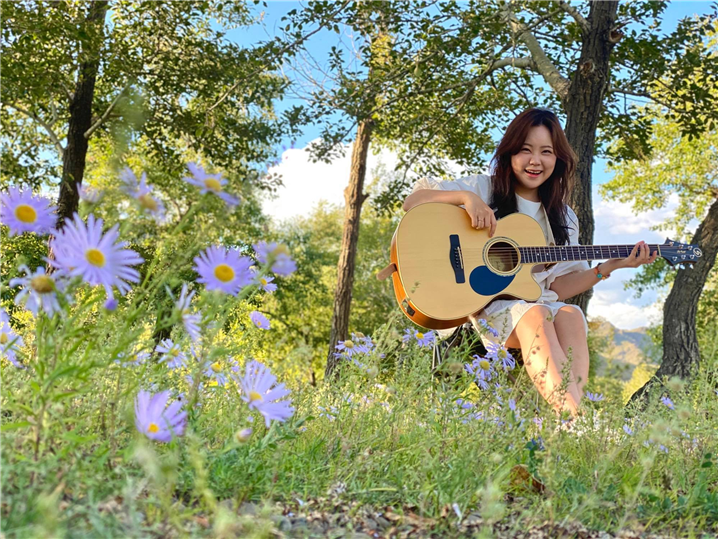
column 501, row 354
column 153, row 428
column 213, row 184
column 25, row 213
column 224, row 273
column 185, row 311
column 174, row 352
column 484, row 364
column 419, row 335
column 147, row 202
column 263, row 281
column 95, row 257
column 216, row 367
column 4, row 338
column 254, row 396
column 42, row 284
column 348, row 344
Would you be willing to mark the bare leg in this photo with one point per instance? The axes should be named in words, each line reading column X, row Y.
column 572, row 335
column 545, row 359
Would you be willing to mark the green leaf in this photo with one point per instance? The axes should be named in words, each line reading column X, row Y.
column 15, row 426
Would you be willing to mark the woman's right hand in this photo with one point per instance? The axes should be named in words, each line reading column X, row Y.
column 481, row 215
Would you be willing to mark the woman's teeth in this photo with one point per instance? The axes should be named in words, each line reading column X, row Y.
column 533, row 172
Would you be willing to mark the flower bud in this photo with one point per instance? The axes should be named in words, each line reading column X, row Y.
column 243, row 435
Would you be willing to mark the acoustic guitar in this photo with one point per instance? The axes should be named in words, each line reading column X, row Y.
column 443, row 270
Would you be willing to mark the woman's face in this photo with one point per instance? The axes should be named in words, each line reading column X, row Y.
column 534, row 163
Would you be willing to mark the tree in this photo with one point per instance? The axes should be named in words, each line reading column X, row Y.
column 687, row 168
column 457, row 71
column 84, row 71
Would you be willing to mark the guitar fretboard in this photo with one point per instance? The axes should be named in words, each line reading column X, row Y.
column 563, row 253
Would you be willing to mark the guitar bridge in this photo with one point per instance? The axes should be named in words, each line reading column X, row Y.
column 456, row 259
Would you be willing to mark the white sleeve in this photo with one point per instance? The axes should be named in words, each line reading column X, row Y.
column 479, row 184
column 564, row 268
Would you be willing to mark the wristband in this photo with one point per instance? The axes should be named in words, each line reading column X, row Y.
column 600, row 275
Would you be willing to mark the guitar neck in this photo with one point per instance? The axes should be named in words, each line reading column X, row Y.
column 563, row 253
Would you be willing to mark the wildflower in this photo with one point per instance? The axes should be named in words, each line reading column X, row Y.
column 271, row 253
column 83, row 251
column 627, row 430
column 668, row 402
column 110, row 304
column 156, row 422
column 258, row 393
column 209, row 183
column 89, row 194
column 424, row 340
column 223, row 269
column 39, row 290
column 330, row 413
column 21, row 211
column 140, row 191
column 348, row 348
column 266, row 284
column 189, row 320
column 498, row 353
column 482, row 370
column 133, row 359
column 10, row 341
column 214, row 372
column 243, row 435
column 171, row 354
column 512, row 405
column 259, row 320
column 487, row 327
column 594, row 397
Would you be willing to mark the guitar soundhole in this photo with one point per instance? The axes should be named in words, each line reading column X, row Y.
column 502, row 257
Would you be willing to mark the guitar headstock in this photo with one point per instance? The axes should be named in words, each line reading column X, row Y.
column 677, row 253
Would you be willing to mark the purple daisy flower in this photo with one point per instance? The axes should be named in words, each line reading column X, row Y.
column 142, row 193
column 258, row 393
column 215, row 374
column 487, row 327
column 89, row 194
column 171, row 354
column 259, row 320
column 266, row 284
column 10, row 341
column 424, row 340
column 223, row 269
column 498, row 353
column 627, row 430
column 668, row 402
column 82, row 250
column 21, row 211
column 190, row 320
column 594, row 397
column 272, row 253
column 348, row 348
column 40, row 290
column 156, row 422
column 482, row 370
column 209, row 183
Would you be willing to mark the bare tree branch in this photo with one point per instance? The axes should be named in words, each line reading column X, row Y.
column 544, row 65
column 582, row 22
column 45, row 125
column 102, row 118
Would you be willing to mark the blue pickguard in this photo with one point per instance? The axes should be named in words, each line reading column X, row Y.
column 485, row 282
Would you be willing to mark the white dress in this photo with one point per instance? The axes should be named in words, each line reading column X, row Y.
column 502, row 314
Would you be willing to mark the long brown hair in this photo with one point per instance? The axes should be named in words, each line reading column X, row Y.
column 554, row 192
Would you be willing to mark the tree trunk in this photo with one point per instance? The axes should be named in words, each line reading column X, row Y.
column 354, row 198
column 73, row 163
column 680, row 341
column 583, row 107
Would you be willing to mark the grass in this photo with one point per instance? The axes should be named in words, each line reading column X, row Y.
column 389, row 436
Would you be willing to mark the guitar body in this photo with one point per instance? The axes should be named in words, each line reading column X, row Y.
column 447, row 270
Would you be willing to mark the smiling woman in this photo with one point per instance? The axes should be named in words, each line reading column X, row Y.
column 532, row 174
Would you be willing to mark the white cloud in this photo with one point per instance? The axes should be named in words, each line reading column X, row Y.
column 306, row 183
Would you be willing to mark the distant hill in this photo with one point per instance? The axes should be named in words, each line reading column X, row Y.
column 624, row 350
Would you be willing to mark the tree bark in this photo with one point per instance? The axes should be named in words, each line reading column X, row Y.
column 354, row 198
column 681, row 353
column 73, row 163
column 583, row 107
